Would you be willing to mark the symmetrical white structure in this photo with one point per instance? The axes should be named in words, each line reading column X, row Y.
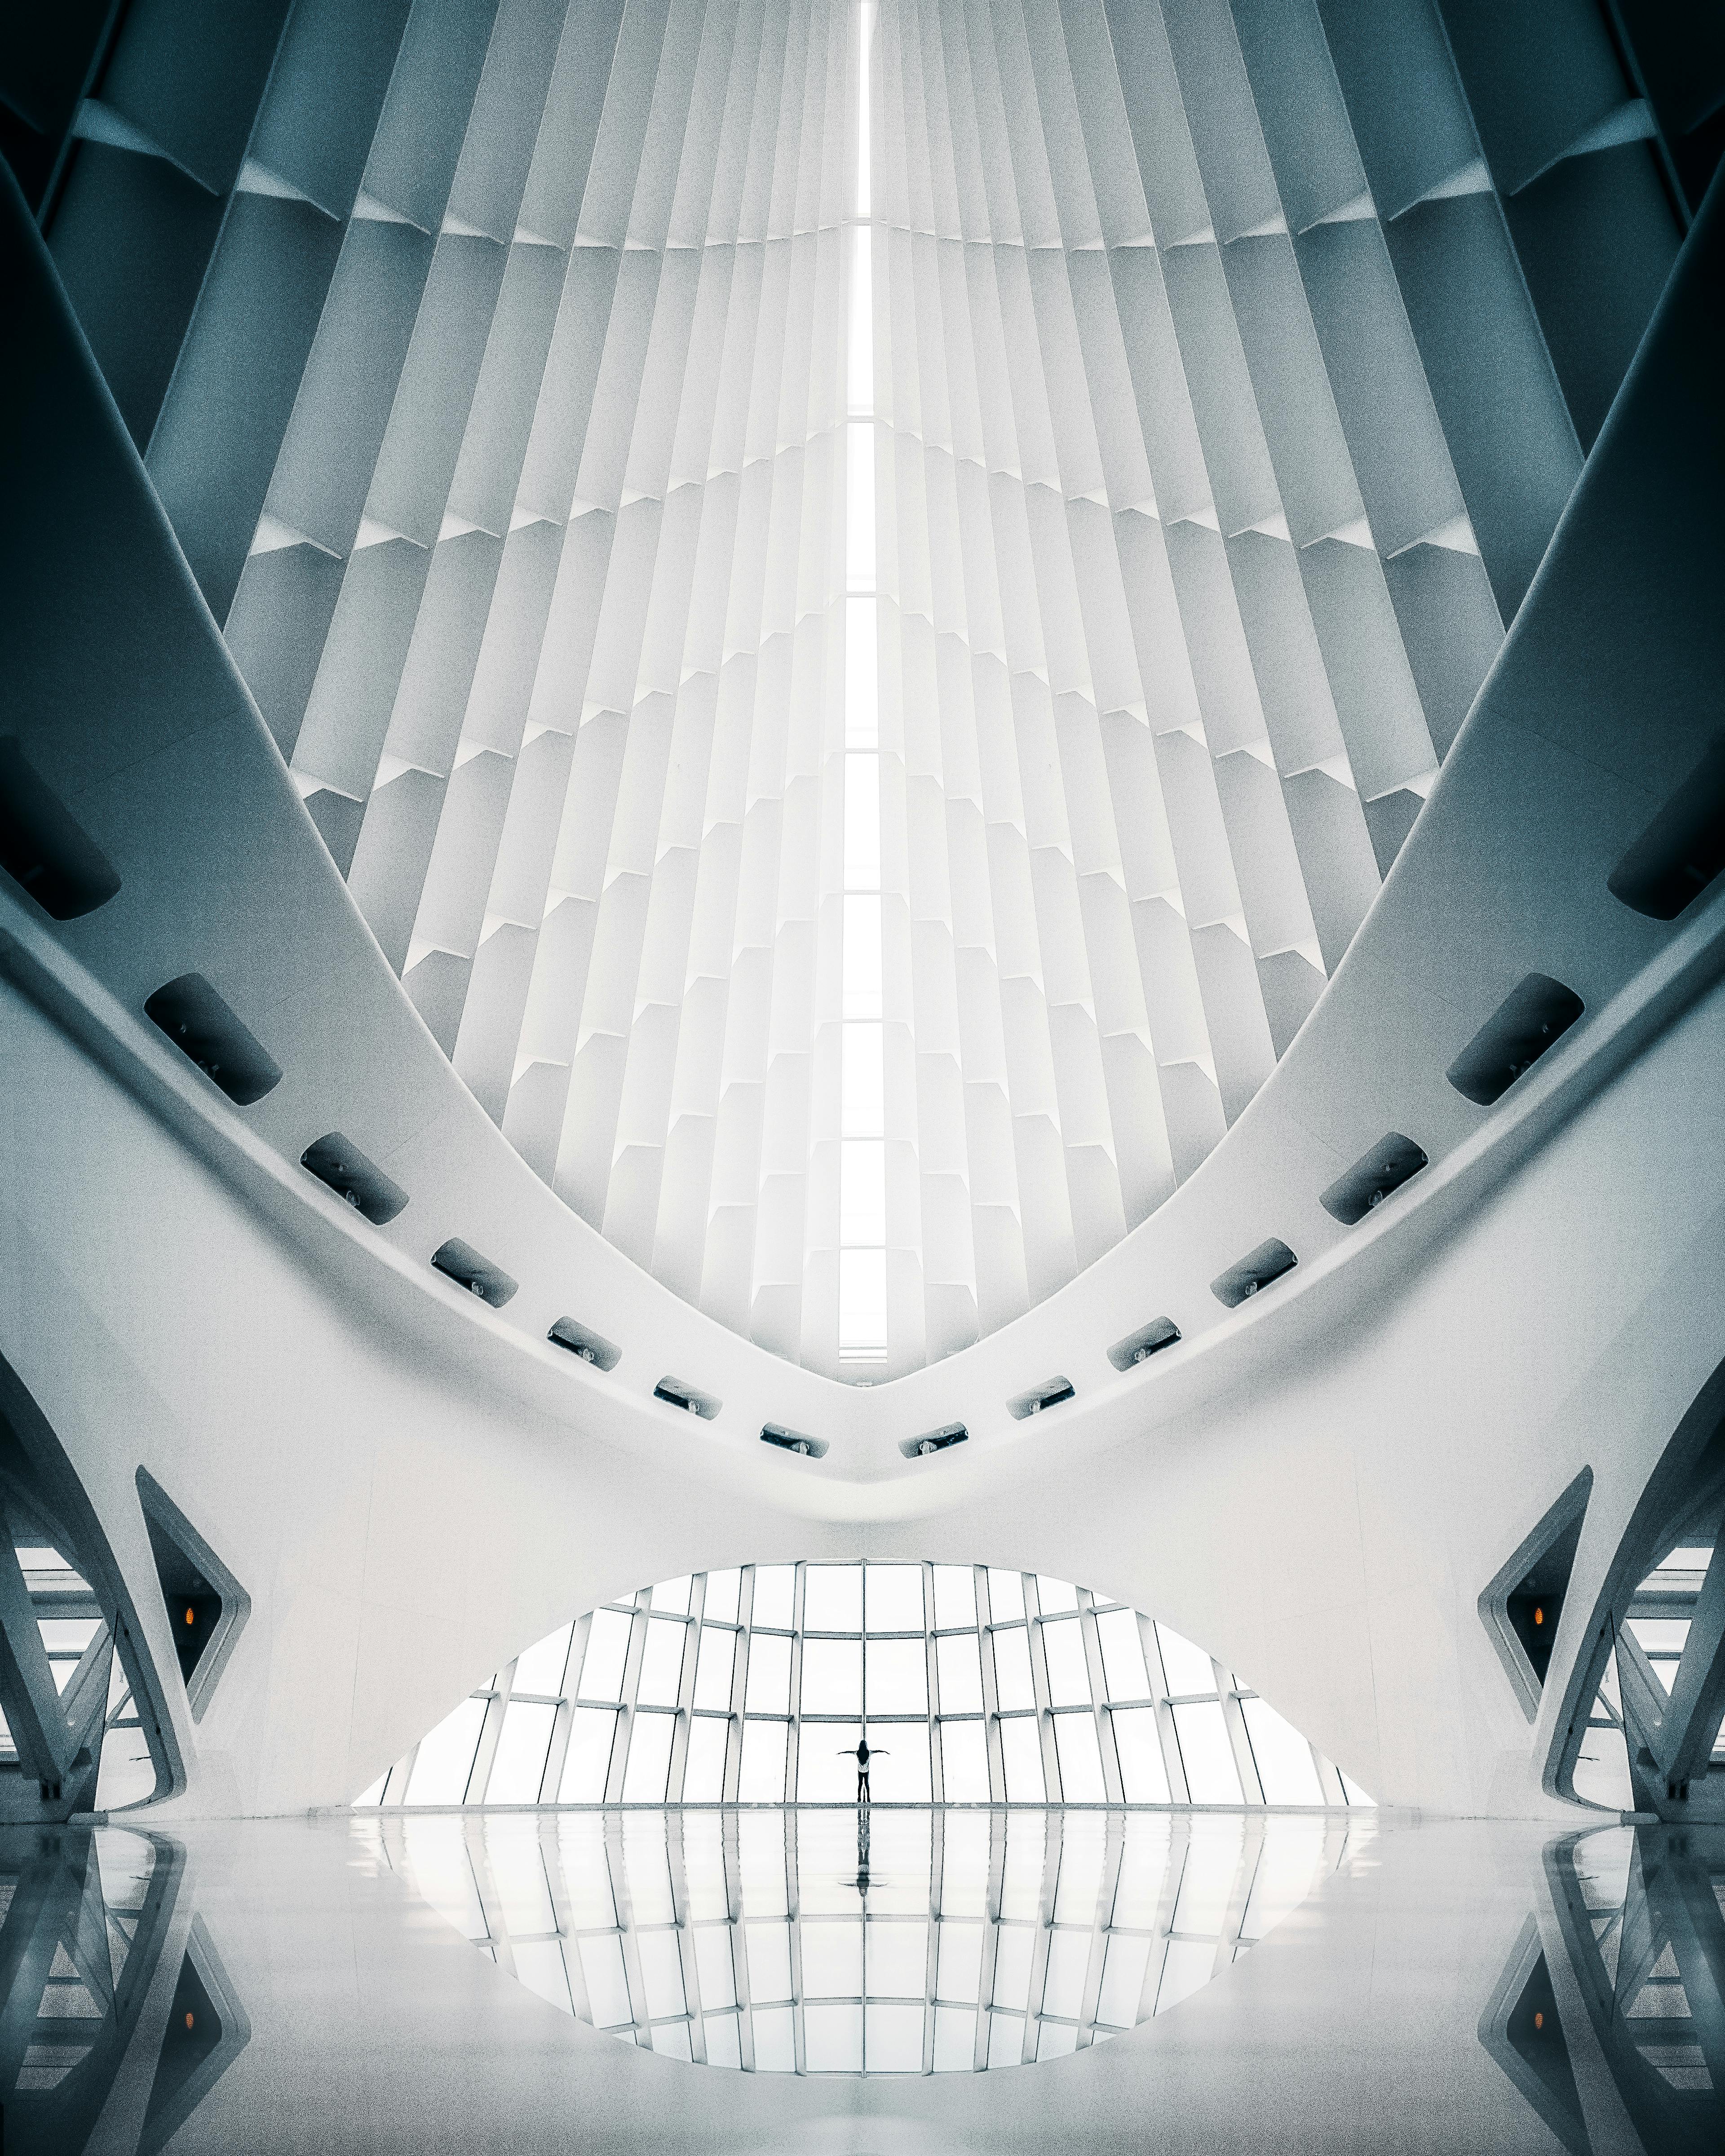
column 562, row 604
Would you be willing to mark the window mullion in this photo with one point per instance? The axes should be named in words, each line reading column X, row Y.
column 621, row 1741
column 686, row 1691
column 739, row 1682
column 1173, row 1762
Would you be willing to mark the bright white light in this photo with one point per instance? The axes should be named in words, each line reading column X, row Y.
column 862, row 955
column 862, row 1192
column 862, row 1304
column 862, row 1163
column 859, row 507
column 862, row 676
column 861, row 367
column 862, row 822
column 864, row 1092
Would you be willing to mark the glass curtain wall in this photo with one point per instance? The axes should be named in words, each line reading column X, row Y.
column 974, row 1686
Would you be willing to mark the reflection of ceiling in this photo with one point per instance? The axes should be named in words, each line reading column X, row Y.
column 975, row 1940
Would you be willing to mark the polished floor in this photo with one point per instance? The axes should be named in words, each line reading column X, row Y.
column 394, row 1985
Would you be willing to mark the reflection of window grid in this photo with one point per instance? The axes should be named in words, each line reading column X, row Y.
column 1077, row 1700
column 1028, row 1939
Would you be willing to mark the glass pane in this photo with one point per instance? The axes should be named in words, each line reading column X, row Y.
column 901, row 1775
column 832, row 1676
column 1006, row 2039
column 1015, row 1945
column 1068, row 1965
column 671, row 1596
column 1054, row 1595
column 762, row 1780
column 897, row 1961
column 958, row 1671
column 1211, row 1776
column 519, row 1761
column 1143, row 1773
column 670, row 2040
column 832, row 2039
column 1122, row 1655
column 662, row 1663
column 589, row 1757
column 1006, row 1596
column 897, row 1678
column 1123, row 1980
column 1282, row 1756
column 1068, row 1671
column 713, row 1966
column 661, row 1973
column 722, row 1594
column 895, row 2038
column 602, row 1970
column 1012, row 1669
column 1055, row 2041
column 832, row 1960
column 704, row 1772
column 445, row 1756
column 954, row 2040
column 607, row 1650
column 650, row 1748
column 964, row 1763
column 954, row 1595
column 1080, row 1759
column 895, row 1597
column 773, row 1587
column 724, row 2039
column 1188, row 1668
column 832, row 1598
column 769, row 1952
column 541, row 1668
column 1021, row 1751
column 958, row 1969
column 768, row 1689
column 775, row 2041
column 713, row 1669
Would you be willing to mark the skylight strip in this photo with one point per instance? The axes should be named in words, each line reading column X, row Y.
column 862, row 1148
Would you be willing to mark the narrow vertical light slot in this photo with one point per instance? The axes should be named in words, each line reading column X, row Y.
column 862, row 1150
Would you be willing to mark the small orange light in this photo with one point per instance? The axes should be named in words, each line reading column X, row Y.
column 1538, row 1616
column 192, row 1619
column 1538, row 2020
column 188, row 2020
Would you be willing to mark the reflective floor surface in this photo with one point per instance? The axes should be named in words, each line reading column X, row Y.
column 876, row 1941
column 419, row 1984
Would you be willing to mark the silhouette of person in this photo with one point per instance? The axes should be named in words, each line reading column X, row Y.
column 863, row 1756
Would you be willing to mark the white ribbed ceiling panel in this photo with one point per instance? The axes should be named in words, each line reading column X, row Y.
column 553, row 566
